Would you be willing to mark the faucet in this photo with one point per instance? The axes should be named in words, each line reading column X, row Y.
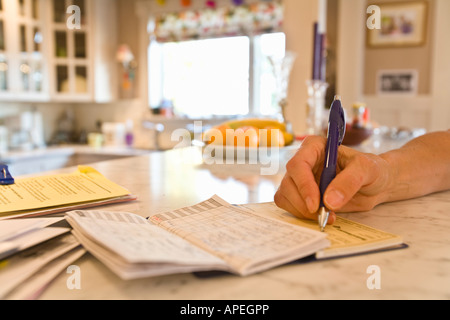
column 158, row 128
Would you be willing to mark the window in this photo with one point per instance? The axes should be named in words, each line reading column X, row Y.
column 215, row 62
column 216, row 77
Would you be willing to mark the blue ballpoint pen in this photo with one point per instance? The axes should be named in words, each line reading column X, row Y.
column 336, row 132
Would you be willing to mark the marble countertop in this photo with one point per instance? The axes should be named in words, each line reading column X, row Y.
column 178, row 178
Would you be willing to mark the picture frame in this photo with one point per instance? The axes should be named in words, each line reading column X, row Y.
column 402, row 24
column 397, row 82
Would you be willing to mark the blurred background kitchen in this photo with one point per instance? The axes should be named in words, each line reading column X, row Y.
column 90, row 80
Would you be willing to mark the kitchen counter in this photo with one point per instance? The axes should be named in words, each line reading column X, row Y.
column 56, row 157
column 14, row 156
column 177, row 178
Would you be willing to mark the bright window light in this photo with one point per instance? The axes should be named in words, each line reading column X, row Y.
column 271, row 45
column 215, row 77
column 207, row 77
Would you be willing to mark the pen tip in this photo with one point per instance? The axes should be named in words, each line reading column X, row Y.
column 323, row 218
column 337, row 98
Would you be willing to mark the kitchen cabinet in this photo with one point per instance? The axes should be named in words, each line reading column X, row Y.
column 70, row 62
column 82, row 38
column 50, row 52
column 22, row 51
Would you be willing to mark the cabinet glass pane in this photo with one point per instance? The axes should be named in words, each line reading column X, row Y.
column 23, row 39
column 2, row 36
column 21, row 7
column 25, row 75
column 37, row 40
column 59, row 10
column 80, row 45
column 81, row 79
column 61, row 44
column 35, row 9
column 80, row 4
column 62, row 79
column 3, row 74
column 37, row 76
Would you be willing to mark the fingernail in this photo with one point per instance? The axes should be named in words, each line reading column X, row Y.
column 334, row 199
column 310, row 205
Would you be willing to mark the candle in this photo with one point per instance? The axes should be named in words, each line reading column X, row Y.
column 323, row 58
column 322, row 17
column 320, row 30
column 317, row 53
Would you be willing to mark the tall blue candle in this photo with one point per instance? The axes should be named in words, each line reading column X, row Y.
column 317, row 53
column 323, row 60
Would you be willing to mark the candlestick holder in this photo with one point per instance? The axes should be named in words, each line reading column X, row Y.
column 315, row 114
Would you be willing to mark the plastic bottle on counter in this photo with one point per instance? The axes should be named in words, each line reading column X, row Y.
column 129, row 135
column 358, row 110
column 96, row 139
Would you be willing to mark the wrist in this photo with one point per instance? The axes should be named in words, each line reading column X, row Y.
column 391, row 173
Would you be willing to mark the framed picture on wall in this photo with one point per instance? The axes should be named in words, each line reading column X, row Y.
column 397, row 82
column 402, row 24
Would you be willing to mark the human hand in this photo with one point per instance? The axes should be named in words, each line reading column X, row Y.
column 361, row 182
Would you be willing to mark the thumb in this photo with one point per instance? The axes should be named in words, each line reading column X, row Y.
column 356, row 174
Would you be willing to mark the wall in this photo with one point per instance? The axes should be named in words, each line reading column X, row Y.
column 51, row 113
column 418, row 58
column 128, row 31
column 440, row 118
column 430, row 109
column 298, row 25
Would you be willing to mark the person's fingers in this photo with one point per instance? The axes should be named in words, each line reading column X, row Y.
column 292, row 199
column 302, row 168
column 359, row 171
column 359, row 203
column 299, row 192
column 332, row 218
column 284, row 202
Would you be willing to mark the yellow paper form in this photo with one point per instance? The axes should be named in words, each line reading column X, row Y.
column 84, row 185
column 346, row 237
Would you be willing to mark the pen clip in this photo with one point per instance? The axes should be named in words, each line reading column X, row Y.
column 5, row 176
column 337, row 114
